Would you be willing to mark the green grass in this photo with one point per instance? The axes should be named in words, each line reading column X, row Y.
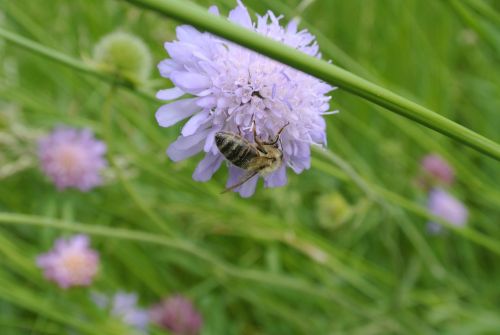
column 268, row 264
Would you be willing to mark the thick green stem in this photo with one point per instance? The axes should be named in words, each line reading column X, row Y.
column 197, row 16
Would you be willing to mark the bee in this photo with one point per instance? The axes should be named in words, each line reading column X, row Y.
column 256, row 158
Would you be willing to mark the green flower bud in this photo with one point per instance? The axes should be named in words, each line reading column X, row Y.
column 332, row 210
column 124, row 55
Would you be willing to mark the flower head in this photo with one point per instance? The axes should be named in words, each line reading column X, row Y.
column 232, row 86
column 447, row 207
column 72, row 158
column 124, row 54
column 178, row 315
column 70, row 263
column 437, row 168
column 124, row 306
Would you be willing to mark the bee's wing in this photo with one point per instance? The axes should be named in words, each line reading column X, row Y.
column 243, row 180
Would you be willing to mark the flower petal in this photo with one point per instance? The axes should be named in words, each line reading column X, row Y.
column 194, row 123
column 179, row 51
column 240, row 16
column 277, row 178
column 207, row 167
column 169, row 93
column 210, row 141
column 187, row 33
column 248, row 188
column 214, row 10
column 190, row 82
column 176, row 111
column 167, row 66
column 186, row 146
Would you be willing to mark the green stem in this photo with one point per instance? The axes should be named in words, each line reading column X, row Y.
column 221, row 269
column 197, row 16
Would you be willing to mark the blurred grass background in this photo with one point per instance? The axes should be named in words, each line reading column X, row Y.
column 342, row 249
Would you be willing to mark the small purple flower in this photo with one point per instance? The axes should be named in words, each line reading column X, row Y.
column 178, row 315
column 230, row 86
column 72, row 158
column 447, row 207
column 124, row 306
column 70, row 263
column 439, row 169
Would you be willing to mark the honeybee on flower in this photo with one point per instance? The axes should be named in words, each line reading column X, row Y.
column 231, row 88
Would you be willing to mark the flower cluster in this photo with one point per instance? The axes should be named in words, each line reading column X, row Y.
column 230, row 87
column 70, row 263
column 72, row 158
column 177, row 315
column 438, row 173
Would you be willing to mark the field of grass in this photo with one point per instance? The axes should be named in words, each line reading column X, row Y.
column 341, row 249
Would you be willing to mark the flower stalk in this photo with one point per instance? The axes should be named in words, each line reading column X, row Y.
column 198, row 17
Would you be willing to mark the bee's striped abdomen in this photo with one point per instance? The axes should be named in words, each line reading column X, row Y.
column 236, row 149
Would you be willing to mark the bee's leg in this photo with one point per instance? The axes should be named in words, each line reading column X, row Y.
column 275, row 140
column 243, row 180
column 239, row 130
column 255, row 138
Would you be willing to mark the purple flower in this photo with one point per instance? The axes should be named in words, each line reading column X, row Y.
column 178, row 315
column 124, row 306
column 436, row 167
column 72, row 158
column 447, row 207
column 70, row 263
column 230, row 86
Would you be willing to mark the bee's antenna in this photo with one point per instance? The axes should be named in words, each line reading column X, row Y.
column 278, row 134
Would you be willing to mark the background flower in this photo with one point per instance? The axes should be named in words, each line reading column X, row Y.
column 438, row 168
column 124, row 306
column 70, row 263
column 178, row 315
column 72, row 158
column 447, row 207
column 233, row 86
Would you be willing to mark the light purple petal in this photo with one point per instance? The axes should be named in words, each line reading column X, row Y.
column 248, row 188
column 240, row 16
column 179, row 51
column 447, row 207
column 170, row 93
column 277, row 178
column 292, row 26
column 210, row 141
column 194, row 123
column 167, row 66
column 186, row 146
column 190, row 82
column 187, row 33
column 176, row 111
column 214, row 10
column 207, row 102
column 80, row 241
column 207, row 167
